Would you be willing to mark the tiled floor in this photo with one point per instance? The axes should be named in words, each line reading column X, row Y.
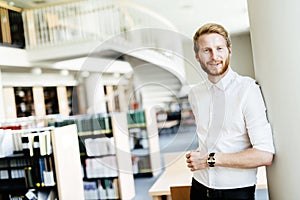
column 185, row 139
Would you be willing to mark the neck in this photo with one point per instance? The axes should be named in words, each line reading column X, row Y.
column 216, row 79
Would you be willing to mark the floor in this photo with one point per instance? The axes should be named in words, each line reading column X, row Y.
column 184, row 139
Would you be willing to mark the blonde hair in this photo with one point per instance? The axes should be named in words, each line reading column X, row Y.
column 211, row 28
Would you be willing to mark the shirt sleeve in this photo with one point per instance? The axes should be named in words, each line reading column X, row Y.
column 258, row 127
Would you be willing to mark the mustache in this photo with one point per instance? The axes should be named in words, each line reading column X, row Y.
column 213, row 62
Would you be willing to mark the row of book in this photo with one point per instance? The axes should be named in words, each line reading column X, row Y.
column 36, row 143
column 88, row 124
column 136, row 117
column 101, row 167
column 101, row 189
column 141, row 164
column 99, row 146
column 29, row 141
column 40, row 173
column 37, row 172
column 13, row 168
column 138, row 138
column 13, row 174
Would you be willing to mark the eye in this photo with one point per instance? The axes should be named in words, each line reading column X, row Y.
column 206, row 51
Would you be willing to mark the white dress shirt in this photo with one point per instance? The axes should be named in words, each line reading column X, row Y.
column 230, row 117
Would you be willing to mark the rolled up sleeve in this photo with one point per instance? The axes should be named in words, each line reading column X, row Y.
column 258, row 127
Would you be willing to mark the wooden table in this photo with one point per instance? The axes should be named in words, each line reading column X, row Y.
column 177, row 174
column 170, row 126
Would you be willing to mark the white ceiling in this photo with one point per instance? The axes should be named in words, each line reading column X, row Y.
column 186, row 15
column 189, row 15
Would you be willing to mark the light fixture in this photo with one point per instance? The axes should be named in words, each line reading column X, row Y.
column 64, row 72
column 11, row 3
column 36, row 71
column 116, row 75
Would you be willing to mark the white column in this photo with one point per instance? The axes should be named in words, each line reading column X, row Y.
column 275, row 32
column 95, row 94
column 2, row 113
column 62, row 100
column 39, row 101
column 9, row 103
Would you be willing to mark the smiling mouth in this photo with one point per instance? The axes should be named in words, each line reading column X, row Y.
column 219, row 64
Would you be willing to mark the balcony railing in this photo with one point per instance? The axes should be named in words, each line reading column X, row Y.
column 101, row 20
column 85, row 20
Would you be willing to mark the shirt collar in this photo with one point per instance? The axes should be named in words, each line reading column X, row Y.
column 224, row 82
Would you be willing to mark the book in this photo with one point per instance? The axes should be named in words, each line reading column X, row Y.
column 26, row 145
column 36, row 144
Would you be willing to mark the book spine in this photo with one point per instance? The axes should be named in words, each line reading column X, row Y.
column 25, row 145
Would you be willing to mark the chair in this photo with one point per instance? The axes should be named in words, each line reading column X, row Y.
column 180, row 192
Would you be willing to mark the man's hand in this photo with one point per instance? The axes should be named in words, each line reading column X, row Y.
column 196, row 160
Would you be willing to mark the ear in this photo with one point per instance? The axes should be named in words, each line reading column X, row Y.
column 229, row 51
column 197, row 57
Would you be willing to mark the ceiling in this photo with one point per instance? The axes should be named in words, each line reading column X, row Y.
column 186, row 15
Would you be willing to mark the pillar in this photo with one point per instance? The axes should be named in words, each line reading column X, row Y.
column 95, row 94
column 2, row 112
column 275, row 41
column 39, row 101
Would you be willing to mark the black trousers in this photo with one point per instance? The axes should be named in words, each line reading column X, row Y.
column 201, row 192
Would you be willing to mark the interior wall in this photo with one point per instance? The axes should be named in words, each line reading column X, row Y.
column 241, row 60
column 275, row 41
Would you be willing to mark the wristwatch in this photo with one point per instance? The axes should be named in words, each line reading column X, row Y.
column 211, row 160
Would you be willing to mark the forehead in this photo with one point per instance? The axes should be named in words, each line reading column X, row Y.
column 211, row 39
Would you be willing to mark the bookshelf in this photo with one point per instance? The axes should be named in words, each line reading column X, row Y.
column 67, row 162
column 11, row 26
column 41, row 165
column 144, row 142
column 105, row 156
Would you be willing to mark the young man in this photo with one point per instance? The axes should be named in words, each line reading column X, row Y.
column 233, row 131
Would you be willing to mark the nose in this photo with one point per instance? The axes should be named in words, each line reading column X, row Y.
column 214, row 54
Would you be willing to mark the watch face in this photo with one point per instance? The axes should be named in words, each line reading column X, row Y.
column 211, row 160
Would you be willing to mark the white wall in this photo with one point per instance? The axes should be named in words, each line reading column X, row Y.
column 275, row 39
column 241, row 61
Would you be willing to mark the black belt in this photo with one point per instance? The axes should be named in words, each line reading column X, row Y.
column 210, row 193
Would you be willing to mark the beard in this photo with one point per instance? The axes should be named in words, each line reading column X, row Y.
column 214, row 71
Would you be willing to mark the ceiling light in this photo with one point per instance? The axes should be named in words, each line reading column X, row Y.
column 64, row 72
column 36, row 71
column 116, row 75
column 11, row 3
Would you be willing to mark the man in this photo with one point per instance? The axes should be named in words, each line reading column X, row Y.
column 233, row 131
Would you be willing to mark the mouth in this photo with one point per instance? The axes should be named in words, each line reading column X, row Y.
column 215, row 64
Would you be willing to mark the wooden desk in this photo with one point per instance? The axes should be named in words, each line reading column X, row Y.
column 177, row 174
column 170, row 126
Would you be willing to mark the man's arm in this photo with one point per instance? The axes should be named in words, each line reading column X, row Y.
column 249, row 158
